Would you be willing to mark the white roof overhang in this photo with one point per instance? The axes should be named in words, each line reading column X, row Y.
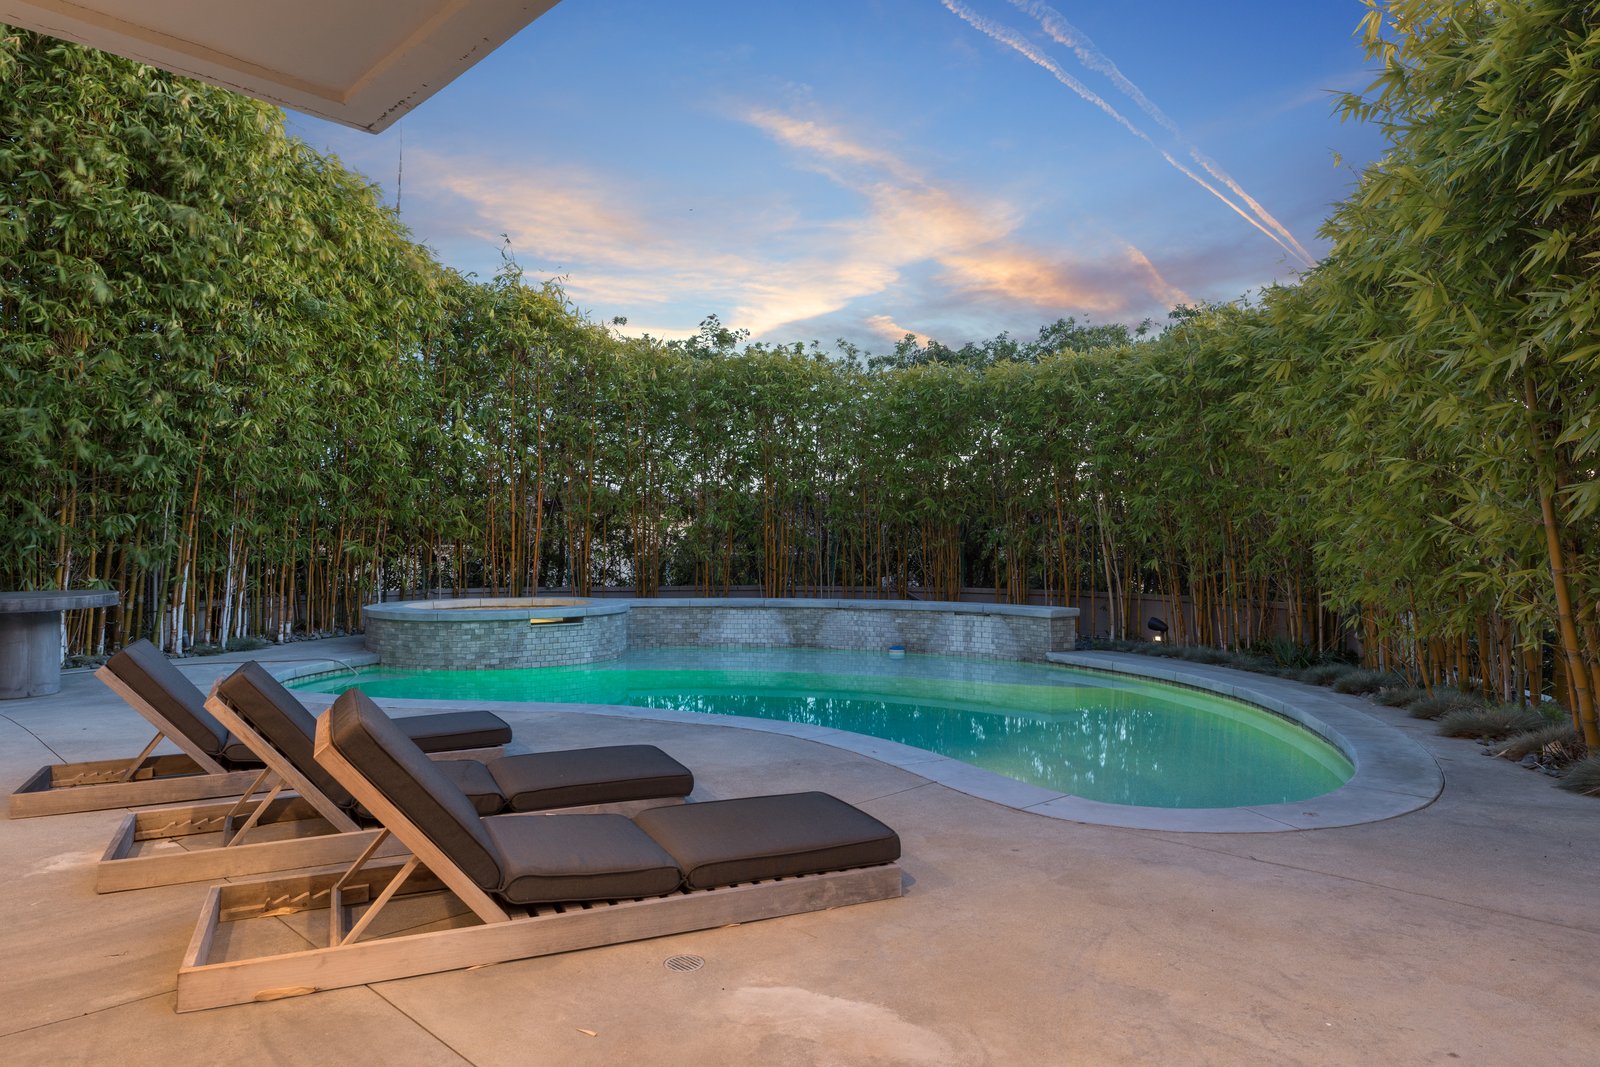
column 356, row 62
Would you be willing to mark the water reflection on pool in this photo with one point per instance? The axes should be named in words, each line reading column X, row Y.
column 1105, row 738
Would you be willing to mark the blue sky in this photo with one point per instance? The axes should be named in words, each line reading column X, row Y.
column 868, row 168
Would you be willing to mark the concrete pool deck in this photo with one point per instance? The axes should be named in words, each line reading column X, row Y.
column 1465, row 931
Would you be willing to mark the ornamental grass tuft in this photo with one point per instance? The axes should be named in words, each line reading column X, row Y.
column 1490, row 723
column 1557, row 744
column 1288, row 654
column 1364, row 681
column 1215, row 657
column 1325, row 673
column 1443, row 703
column 1583, row 777
column 1400, row 696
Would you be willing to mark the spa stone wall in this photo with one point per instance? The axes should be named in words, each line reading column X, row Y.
column 1004, row 632
column 497, row 634
column 494, row 644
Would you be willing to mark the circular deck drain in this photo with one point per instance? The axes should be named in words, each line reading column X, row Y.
column 685, row 963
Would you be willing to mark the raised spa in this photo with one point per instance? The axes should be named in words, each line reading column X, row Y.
column 1111, row 739
column 496, row 633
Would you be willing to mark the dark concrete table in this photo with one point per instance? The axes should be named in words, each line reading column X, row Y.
column 30, row 637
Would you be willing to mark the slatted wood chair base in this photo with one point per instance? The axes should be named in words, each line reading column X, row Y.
column 207, row 982
column 304, row 839
column 312, row 830
column 357, row 955
column 63, row 788
column 147, row 780
column 142, row 780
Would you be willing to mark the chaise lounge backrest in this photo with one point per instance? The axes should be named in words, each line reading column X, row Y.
column 391, row 762
column 141, row 667
column 263, row 702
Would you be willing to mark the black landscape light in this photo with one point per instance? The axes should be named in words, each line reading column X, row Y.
column 1157, row 627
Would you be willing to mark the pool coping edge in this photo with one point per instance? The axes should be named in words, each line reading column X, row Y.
column 1393, row 774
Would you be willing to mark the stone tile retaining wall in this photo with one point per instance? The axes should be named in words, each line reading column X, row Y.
column 495, row 643
column 1000, row 631
column 492, row 634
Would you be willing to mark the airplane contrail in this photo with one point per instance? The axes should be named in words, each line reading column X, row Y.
column 1168, row 292
column 1092, row 57
column 1022, row 46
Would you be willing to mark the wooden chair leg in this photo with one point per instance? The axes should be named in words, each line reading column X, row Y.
column 336, row 903
column 234, row 837
column 138, row 761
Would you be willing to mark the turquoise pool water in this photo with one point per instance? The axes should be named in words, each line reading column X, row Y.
column 1118, row 740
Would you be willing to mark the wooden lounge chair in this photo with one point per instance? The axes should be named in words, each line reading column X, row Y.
column 307, row 819
column 212, row 763
column 537, row 884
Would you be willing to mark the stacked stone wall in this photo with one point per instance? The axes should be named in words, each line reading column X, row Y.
column 868, row 626
column 448, row 637
column 495, row 644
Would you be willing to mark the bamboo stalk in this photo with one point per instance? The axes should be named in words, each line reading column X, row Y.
column 1583, row 706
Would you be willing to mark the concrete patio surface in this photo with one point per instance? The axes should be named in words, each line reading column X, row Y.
column 1464, row 932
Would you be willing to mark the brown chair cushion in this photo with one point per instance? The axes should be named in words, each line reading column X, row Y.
column 723, row 842
column 450, row 731
column 455, row 731
column 474, row 779
column 607, row 775
column 283, row 722
column 141, row 667
column 470, row 776
column 550, row 858
column 434, row 739
column 392, row 763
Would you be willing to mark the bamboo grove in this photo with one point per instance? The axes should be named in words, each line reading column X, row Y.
column 236, row 391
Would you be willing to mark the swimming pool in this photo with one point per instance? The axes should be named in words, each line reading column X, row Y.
column 1105, row 738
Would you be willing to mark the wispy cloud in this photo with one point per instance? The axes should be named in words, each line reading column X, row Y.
column 1012, row 274
column 1063, row 32
column 906, row 241
column 885, row 327
column 1169, row 294
column 594, row 231
column 797, row 132
column 968, row 236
